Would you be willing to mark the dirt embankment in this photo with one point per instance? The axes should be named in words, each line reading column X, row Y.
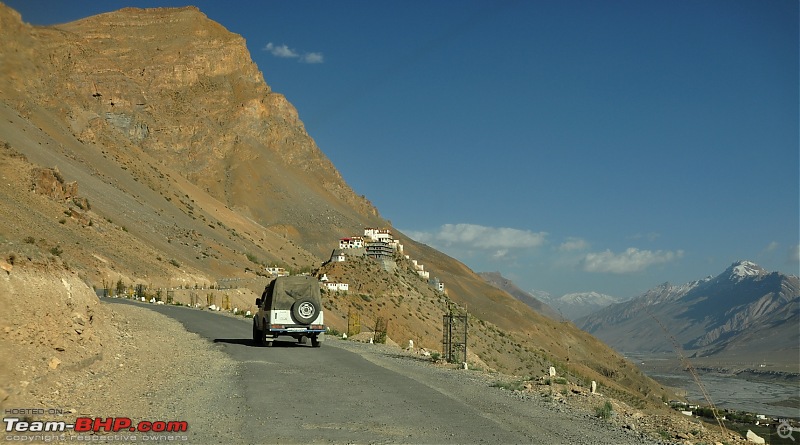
column 65, row 355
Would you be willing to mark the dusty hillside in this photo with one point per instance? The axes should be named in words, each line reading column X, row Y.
column 505, row 333
column 173, row 163
column 59, row 324
column 61, row 349
column 179, row 87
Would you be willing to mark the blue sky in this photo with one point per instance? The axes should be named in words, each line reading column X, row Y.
column 571, row 145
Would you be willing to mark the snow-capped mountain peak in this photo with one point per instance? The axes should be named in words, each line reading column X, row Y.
column 743, row 269
column 743, row 311
column 595, row 298
column 576, row 305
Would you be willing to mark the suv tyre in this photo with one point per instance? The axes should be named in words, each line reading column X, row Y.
column 304, row 311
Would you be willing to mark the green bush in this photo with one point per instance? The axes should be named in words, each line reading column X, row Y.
column 605, row 411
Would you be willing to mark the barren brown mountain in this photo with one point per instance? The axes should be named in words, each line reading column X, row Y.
column 144, row 146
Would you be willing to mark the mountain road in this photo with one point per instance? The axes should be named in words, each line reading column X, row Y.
column 348, row 392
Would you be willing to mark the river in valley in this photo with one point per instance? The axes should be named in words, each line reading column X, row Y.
column 770, row 395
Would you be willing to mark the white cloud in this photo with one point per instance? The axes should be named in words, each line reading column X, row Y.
column 573, row 244
column 500, row 254
column 280, row 51
column 771, row 247
column 285, row 52
column 499, row 242
column 312, row 58
column 489, row 238
column 632, row 260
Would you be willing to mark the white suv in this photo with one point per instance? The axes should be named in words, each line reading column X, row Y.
column 289, row 306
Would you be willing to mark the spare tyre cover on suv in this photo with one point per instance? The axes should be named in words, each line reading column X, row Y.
column 300, row 294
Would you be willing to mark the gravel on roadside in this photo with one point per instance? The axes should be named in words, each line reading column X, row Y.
column 151, row 369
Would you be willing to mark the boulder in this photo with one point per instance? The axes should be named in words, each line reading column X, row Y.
column 753, row 437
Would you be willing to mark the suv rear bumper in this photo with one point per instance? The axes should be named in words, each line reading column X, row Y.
column 284, row 329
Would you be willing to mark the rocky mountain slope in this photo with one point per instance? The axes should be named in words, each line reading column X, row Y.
column 499, row 281
column 143, row 146
column 744, row 312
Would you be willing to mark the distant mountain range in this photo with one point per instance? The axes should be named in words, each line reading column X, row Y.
column 500, row 282
column 569, row 306
column 742, row 312
column 576, row 305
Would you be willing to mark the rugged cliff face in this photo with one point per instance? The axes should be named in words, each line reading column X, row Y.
column 184, row 90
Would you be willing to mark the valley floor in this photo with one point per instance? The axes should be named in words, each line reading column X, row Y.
column 772, row 390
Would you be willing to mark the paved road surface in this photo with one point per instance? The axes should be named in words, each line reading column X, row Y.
column 349, row 393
